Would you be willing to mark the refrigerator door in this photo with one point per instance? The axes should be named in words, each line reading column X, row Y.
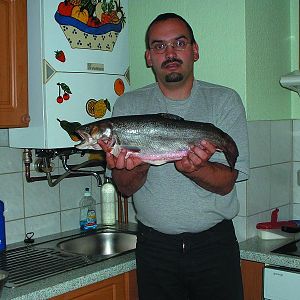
column 90, row 97
column 76, row 68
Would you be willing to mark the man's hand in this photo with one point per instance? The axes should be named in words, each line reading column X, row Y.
column 120, row 162
column 196, row 158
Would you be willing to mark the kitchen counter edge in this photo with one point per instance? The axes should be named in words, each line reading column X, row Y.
column 259, row 250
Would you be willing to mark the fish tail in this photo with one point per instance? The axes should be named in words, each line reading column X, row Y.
column 231, row 152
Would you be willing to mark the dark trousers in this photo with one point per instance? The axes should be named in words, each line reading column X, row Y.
column 189, row 266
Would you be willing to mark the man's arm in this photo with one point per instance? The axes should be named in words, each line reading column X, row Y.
column 130, row 181
column 212, row 176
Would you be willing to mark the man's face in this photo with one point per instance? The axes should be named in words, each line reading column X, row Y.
column 173, row 66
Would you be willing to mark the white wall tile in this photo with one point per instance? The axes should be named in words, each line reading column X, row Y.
column 96, row 190
column 70, row 219
column 281, row 141
column 296, row 140
column 259, row 143
column 40, row 198
column 258, row 190
column 241, row 188
column 284, row 213
column 15, row 231
column 10, row 160
column 281, row 184
column 11, row 193
column 296, row 211
column 295, row 185
column 72, row 190
column 240, row 224
column 43, row 225
column 4, row 137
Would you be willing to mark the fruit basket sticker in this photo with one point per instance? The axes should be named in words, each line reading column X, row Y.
column 91, row 24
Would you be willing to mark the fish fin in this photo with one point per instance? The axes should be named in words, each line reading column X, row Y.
column 170, row 116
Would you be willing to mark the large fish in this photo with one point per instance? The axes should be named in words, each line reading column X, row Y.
column 155, row 138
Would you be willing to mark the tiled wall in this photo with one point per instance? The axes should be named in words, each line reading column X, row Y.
column 36, row 206
column 271, row 175
column 274, row 161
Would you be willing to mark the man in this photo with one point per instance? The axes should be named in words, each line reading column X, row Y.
column 186, row 246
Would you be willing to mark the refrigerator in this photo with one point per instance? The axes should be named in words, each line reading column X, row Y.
column 78, row 65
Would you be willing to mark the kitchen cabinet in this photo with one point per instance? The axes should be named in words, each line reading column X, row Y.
column 13, row 57
column 252, row 274
column 121, row 287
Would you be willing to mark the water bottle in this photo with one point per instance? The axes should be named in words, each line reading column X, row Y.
column 88, row 219
column 2, row 227
column 108, row 204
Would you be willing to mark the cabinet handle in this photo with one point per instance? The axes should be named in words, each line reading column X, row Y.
column 25, row 119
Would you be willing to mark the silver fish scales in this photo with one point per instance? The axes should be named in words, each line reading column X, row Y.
column 155, row 138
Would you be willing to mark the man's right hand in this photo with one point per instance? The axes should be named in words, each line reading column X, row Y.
column 121, row 162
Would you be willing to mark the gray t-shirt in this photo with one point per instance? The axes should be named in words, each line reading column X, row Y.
column 170, row 202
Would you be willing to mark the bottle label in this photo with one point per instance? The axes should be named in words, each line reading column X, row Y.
column 91, row 220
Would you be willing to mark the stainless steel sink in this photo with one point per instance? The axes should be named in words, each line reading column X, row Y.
column 73, row 250
column 99, row 244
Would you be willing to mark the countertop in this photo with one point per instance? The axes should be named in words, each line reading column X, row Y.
column 71, row 280
column 254, row 249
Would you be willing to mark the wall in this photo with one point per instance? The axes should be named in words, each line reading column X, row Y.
column 250, row 56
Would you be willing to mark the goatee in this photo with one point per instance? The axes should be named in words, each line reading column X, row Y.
column 174, row 77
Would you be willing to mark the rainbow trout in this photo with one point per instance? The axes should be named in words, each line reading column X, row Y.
column 155, row 138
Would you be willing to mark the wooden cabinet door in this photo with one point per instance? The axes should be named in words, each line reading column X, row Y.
column 121, row 287
column 252, row 273
column 13, row 59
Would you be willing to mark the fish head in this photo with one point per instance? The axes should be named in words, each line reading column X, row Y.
column 91, row 133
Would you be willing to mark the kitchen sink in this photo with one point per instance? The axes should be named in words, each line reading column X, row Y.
column 78, row 249
column 99, row 244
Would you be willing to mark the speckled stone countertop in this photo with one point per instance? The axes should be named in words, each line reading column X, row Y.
column 256, row 249
column 71, row 280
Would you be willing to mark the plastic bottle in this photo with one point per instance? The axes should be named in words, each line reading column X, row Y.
column 88, row 219
column 108, row 204
column 2, row 227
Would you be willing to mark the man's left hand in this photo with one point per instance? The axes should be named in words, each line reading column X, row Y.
column 196, row 158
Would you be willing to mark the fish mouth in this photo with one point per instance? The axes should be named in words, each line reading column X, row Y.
column 87, row 141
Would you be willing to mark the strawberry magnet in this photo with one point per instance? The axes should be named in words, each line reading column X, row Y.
column 60, row 56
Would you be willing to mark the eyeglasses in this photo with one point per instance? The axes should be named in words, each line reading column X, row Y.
column 177, row 45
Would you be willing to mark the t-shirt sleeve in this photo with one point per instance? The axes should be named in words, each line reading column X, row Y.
column 231, row 118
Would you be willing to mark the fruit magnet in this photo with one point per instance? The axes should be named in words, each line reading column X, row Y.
column 97, row 109
column 119, row 87
column 66, row 95
column 60, row 56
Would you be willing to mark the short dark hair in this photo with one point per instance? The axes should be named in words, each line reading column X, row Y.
column 164, row 17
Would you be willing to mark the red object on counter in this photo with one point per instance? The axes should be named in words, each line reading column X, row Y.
column 274, row 224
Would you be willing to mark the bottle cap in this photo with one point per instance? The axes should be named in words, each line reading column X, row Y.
column 87, row 192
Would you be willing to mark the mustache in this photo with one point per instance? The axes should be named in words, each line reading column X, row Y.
column 171, row 60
